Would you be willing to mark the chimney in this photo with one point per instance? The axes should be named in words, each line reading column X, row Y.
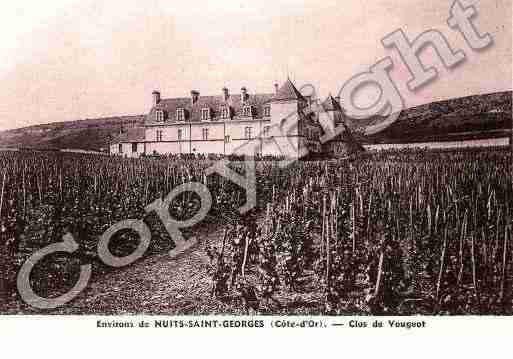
column 275, row 88
column 226, row 94
column 243, row 94
column 156, row 97
column 194, row 96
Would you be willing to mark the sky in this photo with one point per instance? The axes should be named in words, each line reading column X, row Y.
column 64, row 60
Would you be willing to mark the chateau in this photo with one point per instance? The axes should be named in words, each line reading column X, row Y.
column 282, row 123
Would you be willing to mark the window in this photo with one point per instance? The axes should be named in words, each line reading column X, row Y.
column 179, row 134
column 225, row 112
column 226, row 138
column 267, row 111
column 120, row 148
column 247, row 133
column 266, row 131
column 159, row 116
column 204, row 132
column 159, row 135
column 180, row 114
column 246, row 111
column 205, row 114
column 134, row 147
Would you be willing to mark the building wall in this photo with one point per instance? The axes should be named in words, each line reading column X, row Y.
column 169, row 133
column 237, row 129
column 284, row 118
column 281, row 146
column 212, row 146
column 327, row 120
column 215, row 131
column 166, row 147
column 229, row 137
column 127, row 149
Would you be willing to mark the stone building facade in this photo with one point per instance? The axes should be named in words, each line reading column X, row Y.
column 276, row 124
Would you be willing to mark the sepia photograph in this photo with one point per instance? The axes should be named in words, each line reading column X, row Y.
column 253, row 159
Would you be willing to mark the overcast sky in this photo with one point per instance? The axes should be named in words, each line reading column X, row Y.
column 70, row 59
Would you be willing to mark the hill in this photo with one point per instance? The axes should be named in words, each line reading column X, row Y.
column 465, row 118
column 89, row 134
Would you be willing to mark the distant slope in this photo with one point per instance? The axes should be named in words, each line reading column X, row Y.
column 88, row 134
column 472, row 117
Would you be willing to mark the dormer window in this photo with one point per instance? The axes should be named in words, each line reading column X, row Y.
column 267, row 111
column 246, row 111
column 159, row 116
column 225, row 112
column 180, row 114
column 205, row 114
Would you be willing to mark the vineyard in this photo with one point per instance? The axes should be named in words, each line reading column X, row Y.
column 396, row 232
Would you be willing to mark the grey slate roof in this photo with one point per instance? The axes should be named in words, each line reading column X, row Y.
column 214, row 103
column 330, row 104
column 193, row 111
column 135, row 134
column 288, row 92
